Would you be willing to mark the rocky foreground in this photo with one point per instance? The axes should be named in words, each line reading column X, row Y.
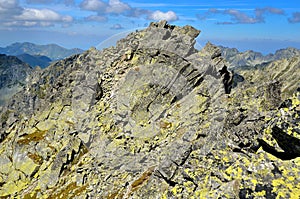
column 153, row 118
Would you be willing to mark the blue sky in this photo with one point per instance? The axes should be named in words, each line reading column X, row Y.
column 263, row 26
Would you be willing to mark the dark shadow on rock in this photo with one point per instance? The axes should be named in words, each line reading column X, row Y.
column 237, row 78
column 288, row 143
column 227, row 79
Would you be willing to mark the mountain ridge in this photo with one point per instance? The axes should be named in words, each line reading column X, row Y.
column 152, row 118
column 53, row 51
column 251, row 58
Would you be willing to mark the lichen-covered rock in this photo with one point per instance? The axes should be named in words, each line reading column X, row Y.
column 153, row 118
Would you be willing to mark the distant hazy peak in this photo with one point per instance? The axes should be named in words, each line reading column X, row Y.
column 252, row 58
column 53, row 51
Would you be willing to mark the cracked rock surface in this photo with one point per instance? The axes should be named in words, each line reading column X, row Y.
column 153, row 117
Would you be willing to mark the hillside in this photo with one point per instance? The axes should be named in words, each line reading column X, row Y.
column 153, row 117
column 53, row 51
column 35, row 60
column 13, row 74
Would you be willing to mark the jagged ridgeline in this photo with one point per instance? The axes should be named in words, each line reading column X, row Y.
column 153, row 118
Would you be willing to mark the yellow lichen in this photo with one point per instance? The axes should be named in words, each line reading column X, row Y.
column 291, row 178
column 165, row 124
column 277, row 183
column 116, row 195
column 33, row 137
column 164, row 196
column 202, row 194
column 260, row 194
column 142, row 179
column 30, row 195
column 254, row 181
column 174, row 190
column 281, row 195
column 225, row 159
column 295, row 193
column 189, row 186
column 70, row 191
column 36, row 158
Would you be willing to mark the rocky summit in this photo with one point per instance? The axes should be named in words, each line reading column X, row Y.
column 153, row 117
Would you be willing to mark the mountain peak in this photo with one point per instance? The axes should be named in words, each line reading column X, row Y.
column 152, row 117
column 162, row 36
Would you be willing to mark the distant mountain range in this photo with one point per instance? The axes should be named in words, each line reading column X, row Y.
column 251, row 58
column 18, row 60
column 53, row 51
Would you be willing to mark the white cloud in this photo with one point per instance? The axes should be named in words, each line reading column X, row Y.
column 29, row 23
column 22, row 24
column 137, row 12
column 35, row 17
column 67, row 19
column 13, row 15
column 9, row 7
column 30, row 14
column 117, row 27
column 117, row 7
column 93, row 5
column 99, row 6
column 96, row 18
column 8, row 4
column 39, row 1
column 158, row 15
column 47, row 2
column 239, row 17
column 43, row 17
column 295, row 18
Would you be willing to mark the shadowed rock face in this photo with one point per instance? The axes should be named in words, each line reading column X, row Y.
column 35, row 60
column 150, row 118
column 13, row 74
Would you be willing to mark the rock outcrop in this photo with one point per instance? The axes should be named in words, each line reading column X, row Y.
column 150, row 118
